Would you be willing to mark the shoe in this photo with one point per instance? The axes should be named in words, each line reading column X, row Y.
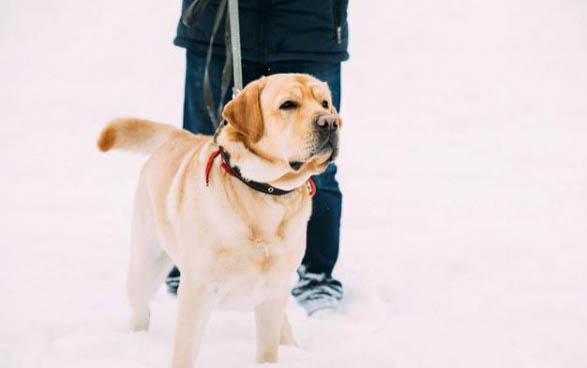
column 316, row 292
column 172, row 281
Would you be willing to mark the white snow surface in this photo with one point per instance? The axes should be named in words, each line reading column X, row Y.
column 463, row 168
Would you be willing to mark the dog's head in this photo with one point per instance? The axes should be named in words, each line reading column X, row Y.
column 282, row 129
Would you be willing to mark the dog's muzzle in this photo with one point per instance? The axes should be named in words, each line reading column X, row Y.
column 326, row 127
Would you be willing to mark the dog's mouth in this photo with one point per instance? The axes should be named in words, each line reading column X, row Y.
column 328, row 144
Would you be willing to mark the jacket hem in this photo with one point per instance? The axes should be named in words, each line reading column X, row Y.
column 218, row 50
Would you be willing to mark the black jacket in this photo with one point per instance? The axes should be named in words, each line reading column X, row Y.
column 276, row 30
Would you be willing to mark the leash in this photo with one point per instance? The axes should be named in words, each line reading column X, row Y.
column 232, row 52
column 234, row 171
column 235, row 43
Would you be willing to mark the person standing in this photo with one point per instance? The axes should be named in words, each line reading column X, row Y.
column 278, row 36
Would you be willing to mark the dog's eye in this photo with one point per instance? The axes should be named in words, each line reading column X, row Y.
column 296, row 165
column 325, row 104
column 288, row 105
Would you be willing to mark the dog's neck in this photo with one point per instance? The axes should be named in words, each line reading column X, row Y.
column 257, row 167
column 235, row 171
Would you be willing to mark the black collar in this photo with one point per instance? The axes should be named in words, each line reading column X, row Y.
column 260, row 187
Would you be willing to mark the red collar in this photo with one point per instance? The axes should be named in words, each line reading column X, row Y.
column 261, row 187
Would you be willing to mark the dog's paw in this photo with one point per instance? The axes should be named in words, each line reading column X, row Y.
column 139, row 322
column 288, row 341
column 287, row 337
column 267, row 357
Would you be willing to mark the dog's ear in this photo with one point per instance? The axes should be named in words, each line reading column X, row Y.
column 244, row 111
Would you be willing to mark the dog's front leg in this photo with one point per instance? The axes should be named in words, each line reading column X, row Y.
column 269, row 317
column 194, row 307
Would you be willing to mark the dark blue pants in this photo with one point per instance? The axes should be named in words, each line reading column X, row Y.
column 324, row 226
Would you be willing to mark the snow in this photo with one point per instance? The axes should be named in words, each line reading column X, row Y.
column 463, row 171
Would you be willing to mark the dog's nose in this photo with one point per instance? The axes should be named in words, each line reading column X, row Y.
column 327, row 122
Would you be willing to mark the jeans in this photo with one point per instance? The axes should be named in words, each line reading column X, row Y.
column 324, row 226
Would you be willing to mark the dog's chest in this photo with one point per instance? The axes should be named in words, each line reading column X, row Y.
column 247, row 246
column 258, row 265
column 245, row 277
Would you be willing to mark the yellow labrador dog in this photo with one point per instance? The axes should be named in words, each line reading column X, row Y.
column 231, row 210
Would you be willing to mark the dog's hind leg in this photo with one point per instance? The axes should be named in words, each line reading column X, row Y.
column 145, row 276
column 148, row 266
column 287, row 337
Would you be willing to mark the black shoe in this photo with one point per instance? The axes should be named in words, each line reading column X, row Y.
column 172, row 281
column 316, row 292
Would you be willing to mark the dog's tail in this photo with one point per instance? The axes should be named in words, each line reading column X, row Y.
column 135, row 135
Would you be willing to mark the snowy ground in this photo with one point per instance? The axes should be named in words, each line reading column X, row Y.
column 463, row 167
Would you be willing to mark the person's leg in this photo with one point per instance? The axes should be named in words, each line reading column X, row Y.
column 195, row 114
column 324, row 225
column 316, row 288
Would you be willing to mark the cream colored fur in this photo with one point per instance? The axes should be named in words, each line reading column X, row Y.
column 233, row 245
